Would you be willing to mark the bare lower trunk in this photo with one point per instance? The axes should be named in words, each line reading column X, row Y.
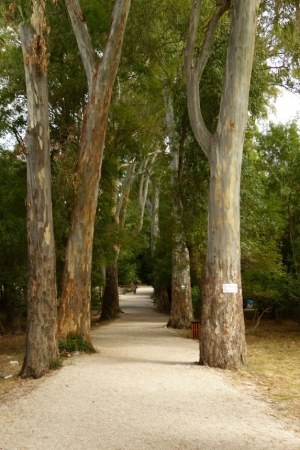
column 41, row 346
column 110, row 300
column 223, row 341
column 181, row 313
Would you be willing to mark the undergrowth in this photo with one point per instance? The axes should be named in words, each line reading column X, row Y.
column 75, row 342
column 56, row 363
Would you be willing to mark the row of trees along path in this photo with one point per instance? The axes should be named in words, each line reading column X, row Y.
column 143, row 390
column 178, row 73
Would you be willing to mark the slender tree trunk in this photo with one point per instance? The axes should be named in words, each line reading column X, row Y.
column 223, row 341
column 110, row 300
column 154, row 213
column 162, row 299
column 181, row 313
column 41, row 345
column 74, row 309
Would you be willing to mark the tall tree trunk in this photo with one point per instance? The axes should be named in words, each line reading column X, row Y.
column 110, row 300
column 181, row 313
column 162, row 299
column 41, row 345
column 222, row 332
column 223, row 341
column 74, row 309
column 153, row 210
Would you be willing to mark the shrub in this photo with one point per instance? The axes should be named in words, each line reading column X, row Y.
column 75, row 342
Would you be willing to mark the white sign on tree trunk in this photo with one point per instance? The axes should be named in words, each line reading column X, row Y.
column 230, row 288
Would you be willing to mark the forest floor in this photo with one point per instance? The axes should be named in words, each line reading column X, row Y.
column 145, row 390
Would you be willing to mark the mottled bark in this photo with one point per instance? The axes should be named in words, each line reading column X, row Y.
column 223, row 341
column 181, row 313
column 74, row 309
column 41, row 345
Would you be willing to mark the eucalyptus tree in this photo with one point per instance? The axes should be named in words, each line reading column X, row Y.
column 41, row 345
column 74, row 308
column 181, row 313
column 223, row 342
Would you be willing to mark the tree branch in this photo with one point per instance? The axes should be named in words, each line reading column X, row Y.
column 193, row 72
column 83, row 38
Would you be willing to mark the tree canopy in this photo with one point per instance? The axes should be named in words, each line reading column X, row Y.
column 111, row 149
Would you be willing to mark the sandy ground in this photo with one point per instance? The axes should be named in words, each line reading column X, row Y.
column 143, row 390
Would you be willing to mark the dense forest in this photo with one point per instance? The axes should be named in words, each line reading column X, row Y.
column 136, row 146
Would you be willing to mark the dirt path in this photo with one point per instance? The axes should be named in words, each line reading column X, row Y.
column 142, row 391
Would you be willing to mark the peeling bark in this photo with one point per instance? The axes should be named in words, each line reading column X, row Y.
column 223, row 341
column 74, row 309
column 41, row 345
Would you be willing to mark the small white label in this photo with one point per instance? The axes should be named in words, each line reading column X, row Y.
column 230, row 288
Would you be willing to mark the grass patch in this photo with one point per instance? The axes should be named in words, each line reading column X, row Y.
column 75, row 342
column 274, row 361
column 56, row 363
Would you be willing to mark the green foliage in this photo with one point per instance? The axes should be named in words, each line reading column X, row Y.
column 75, row 342
column 56, row 363
column 270, row 219
column 261, row 228
column 12, row 86
column 13, row 240
column 279, row 26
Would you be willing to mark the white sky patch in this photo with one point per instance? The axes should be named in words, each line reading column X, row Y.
column 286, row 108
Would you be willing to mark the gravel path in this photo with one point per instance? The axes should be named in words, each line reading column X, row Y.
column 142, row 391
